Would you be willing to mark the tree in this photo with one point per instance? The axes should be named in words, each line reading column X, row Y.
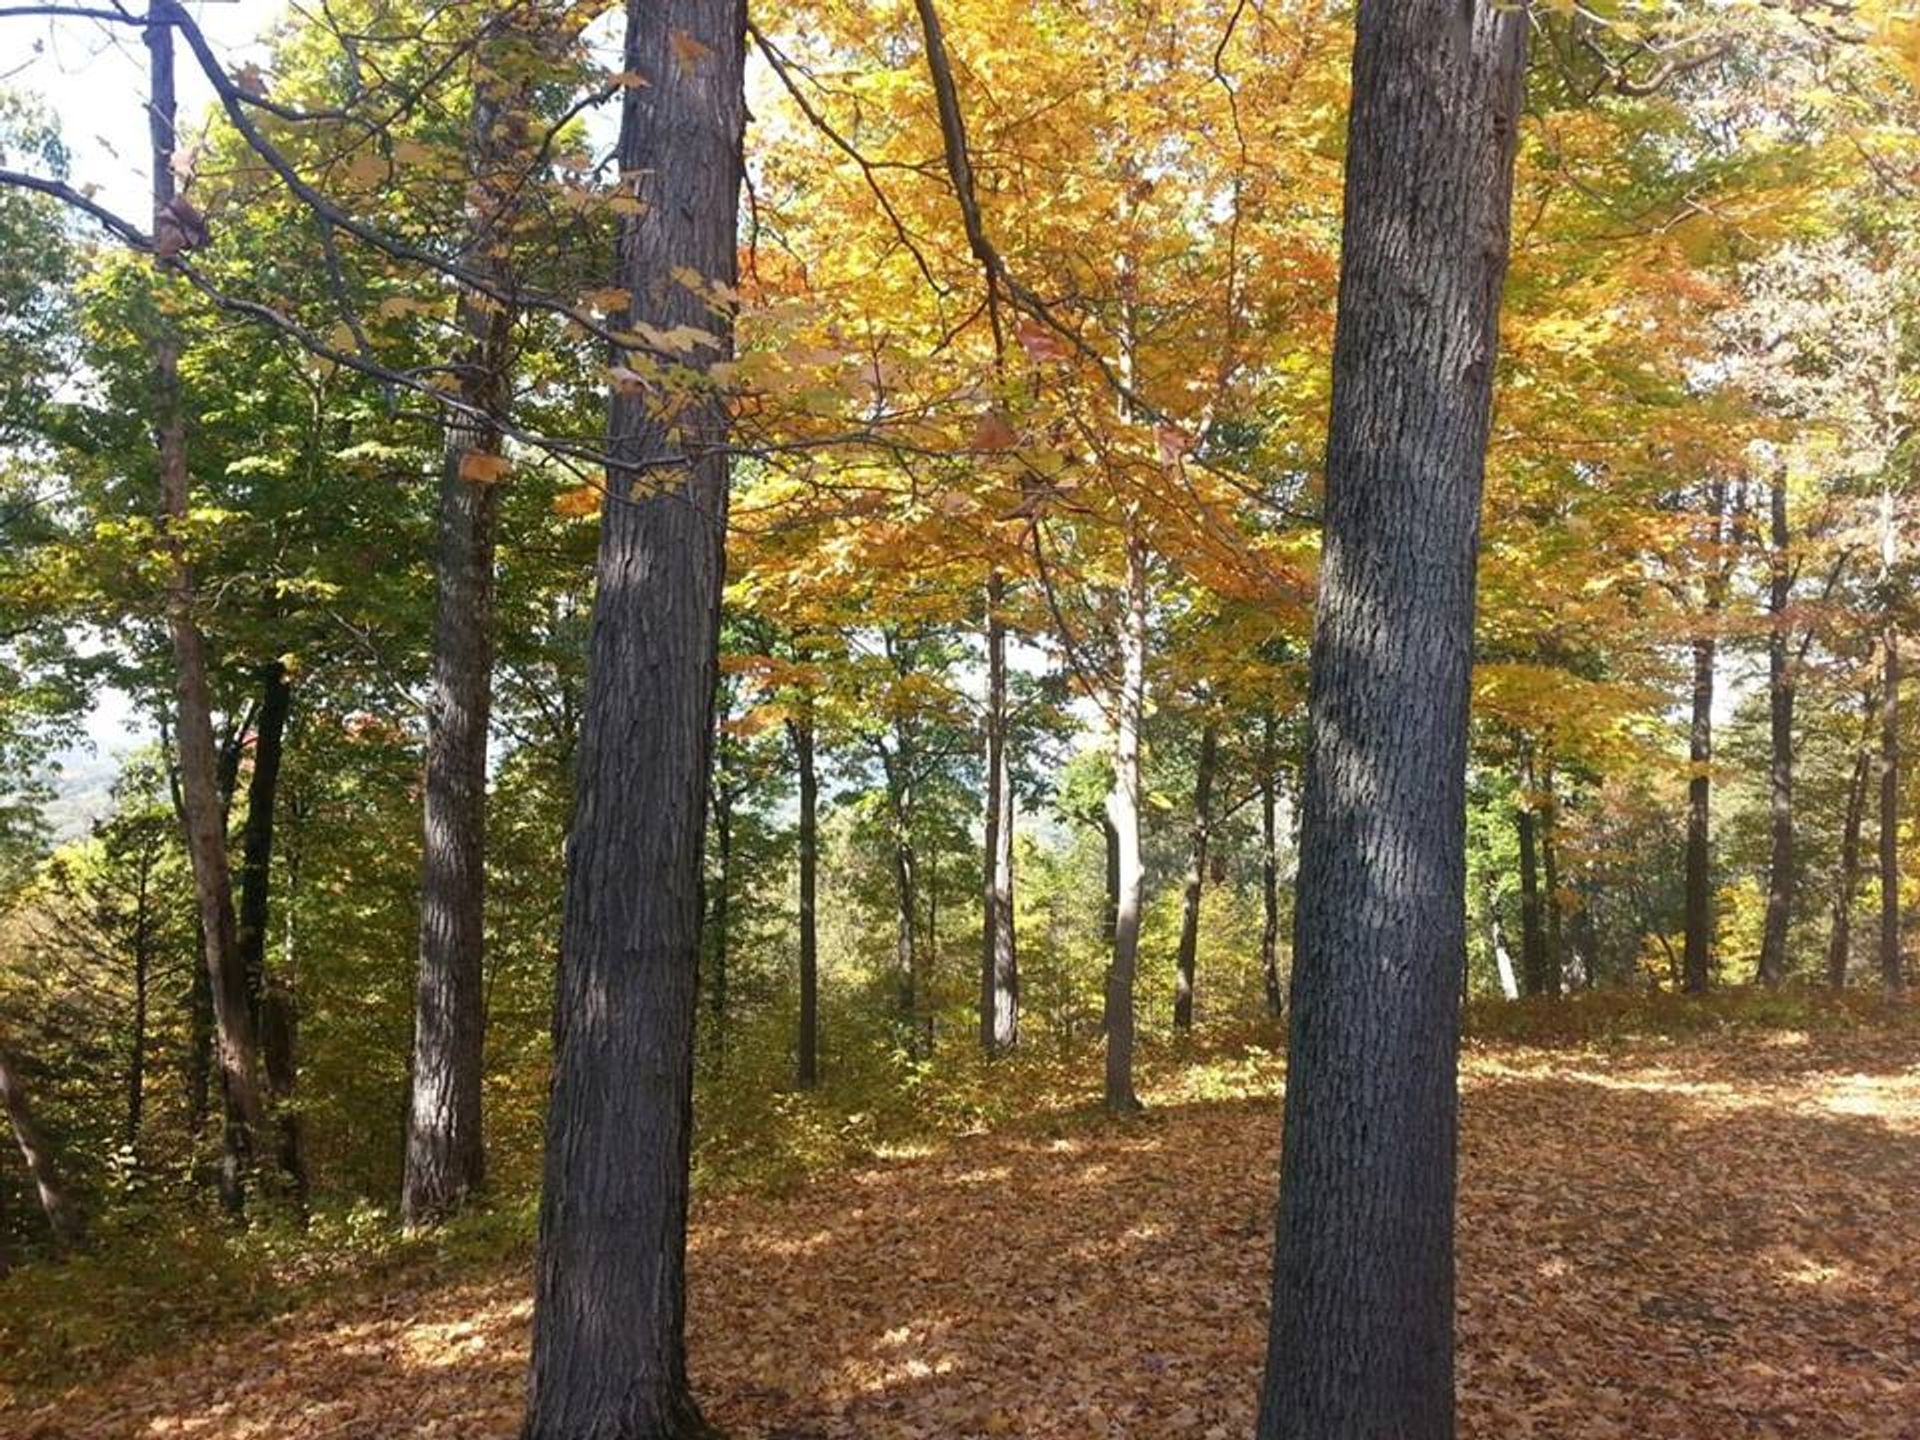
column 1361, row 1341
column 999, row 957
column 35, row 1150
column 609, row 1359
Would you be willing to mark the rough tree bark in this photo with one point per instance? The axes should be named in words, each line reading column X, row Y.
column 1780, row 696
column 1361, row 1344
column 202, row 803
column 800, row 731
column 1123, row 819
column 1202, row 835
column 446, row 1154
column 999, row 959
column 609, row 1349
column 1697, row 959
column 42, row 1168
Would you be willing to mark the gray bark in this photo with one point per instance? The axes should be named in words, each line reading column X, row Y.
column 999, row 959
column 1361, row 1341
column 42, row 1169
column 609, row 1349
column 1202, row 834
column 1780, row 697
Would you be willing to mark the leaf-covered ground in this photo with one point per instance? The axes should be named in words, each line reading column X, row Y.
column 1711, row 1239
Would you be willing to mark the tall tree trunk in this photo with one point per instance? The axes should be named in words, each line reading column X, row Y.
column 609, row 1320
column 1123, row 816
column 1780, row 688
column 1361, row 1341
column 800, row 729
column 1839, row 942
column 1270, row 869
column 1697, row 962
column 1533, row 934
column 1201, row 835
column 42, row 1169
column 272, row 997
column 999, row 960
column 906, row 955
column 446, row 1153
column 200, row 789
column 1892, row 975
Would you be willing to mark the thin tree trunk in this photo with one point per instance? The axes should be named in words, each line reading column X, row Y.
column 446, row 1152
column 42, row 1168
column 1123, row 815
column 200, row 790
column 1780, row 688
column 1202, row 834
column 1892, row 975
column 1361, row 1343
column 721, row 913
column 1270, row 870
column 609, row 1319
column 142, row 981
column 1697, row 961
column 1839, row 942
column 800, row 729
column 1533, row 935
column 273, row 1000
column 1556, row 970
column 999, row 959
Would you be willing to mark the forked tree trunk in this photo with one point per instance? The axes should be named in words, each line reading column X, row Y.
column 1363, row 1309
column 1189, row 952
column 1123, row 817
column 609, row 1347
column 202, row 803
column 999, row 960
column 446, row 1155
column 1780, row 696
column 42, row 1168
column 800, row 729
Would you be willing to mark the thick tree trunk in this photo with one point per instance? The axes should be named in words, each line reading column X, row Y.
column 42, row 1169
column 1892, row 975
column 1362, row 1324
column 1123, row 818
column 609, row 1348
column 999, row 960
column 201, row 798
column 1533, row 934
column 1780, row 688
column 800, row 729
column 1840, row 941
column 1196, row 878
column 446, row 1154
column 1270, row 870
column 272, row 997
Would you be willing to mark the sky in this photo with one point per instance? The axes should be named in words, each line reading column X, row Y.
column 92, row 78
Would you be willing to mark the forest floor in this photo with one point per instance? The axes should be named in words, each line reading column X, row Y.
column 1700, row 1238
